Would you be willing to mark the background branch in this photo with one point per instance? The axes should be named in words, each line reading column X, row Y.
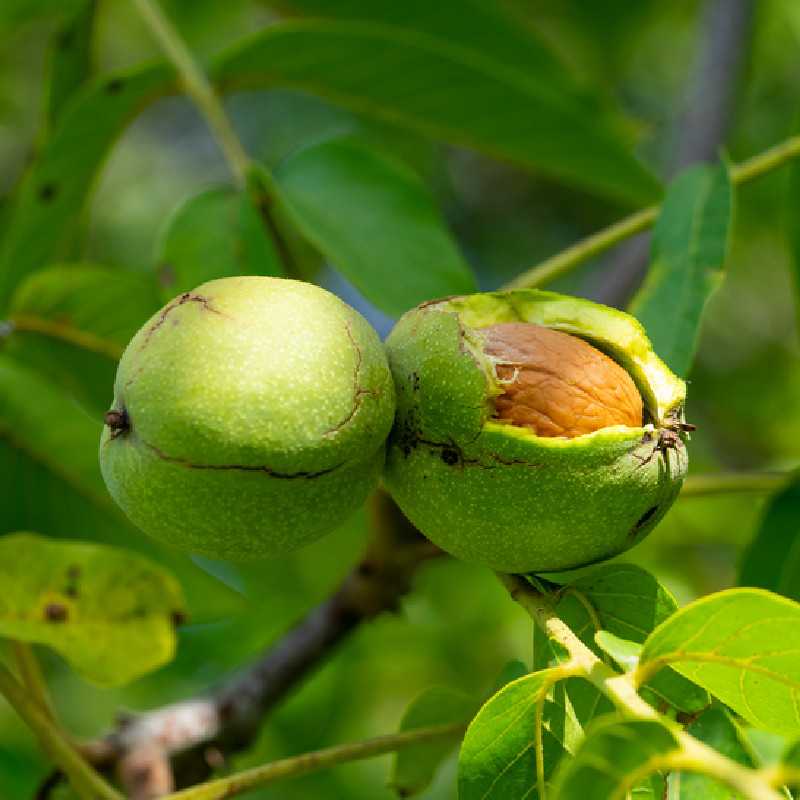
column 179, row 745
column 722, row 50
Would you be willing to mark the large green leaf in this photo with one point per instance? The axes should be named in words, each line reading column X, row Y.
column 485, row 28
column 629, row 603
column 742, row 645
column 615, row 759
column 72, row 322
column 70, row 59
column 53, row 192
column 772, row 560
column 414, row 767
column 690, row 246
column 215, row 234
column 110, row 613
column 446, row 91
column 498, row 758
column 375, row 221
column 52, row 483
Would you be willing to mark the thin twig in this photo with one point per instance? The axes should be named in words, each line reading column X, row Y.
column 30, row 673
column 197, row 87
column 315, row 761
column 599, row 242
column 88, row 784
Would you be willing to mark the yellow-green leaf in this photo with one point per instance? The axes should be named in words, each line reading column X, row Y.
column 110, row 613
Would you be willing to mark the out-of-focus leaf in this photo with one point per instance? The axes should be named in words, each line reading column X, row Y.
column 790, row 762
column 52, row 483
column 791, row 204
column 623, row 651
column 19, row 12
column 70, row 60
column 741, row 645
column 513, row 670
column 772, row 561
column 485, row 28
column 445, row 91
column 716, row 728
column 629, row 603
column 498, row 754
column 52, row 194
column 611, row 760
column 215, row 234
column 110, row 613
column 690, row 246
column 72, row 322
column 414, row 767
column 375, row 221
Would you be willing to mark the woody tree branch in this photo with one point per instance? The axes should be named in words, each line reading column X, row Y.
column 178, row 745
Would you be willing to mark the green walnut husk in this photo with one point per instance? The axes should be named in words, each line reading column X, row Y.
column 499, row 495
column 249, row 418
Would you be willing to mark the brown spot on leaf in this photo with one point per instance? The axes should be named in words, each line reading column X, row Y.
column 114, row 86
column 179, row 618
column 47, row 192
column 56, row 612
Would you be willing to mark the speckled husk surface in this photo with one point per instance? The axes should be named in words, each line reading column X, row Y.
column 251, row 418
column 496, row 494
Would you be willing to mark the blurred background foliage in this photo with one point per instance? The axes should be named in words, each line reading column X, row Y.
column 457, row 627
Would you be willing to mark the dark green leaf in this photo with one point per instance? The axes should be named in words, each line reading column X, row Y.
column 690, row 246
column 52, row 483
column 498, row 755
column 716, row 728
column 414, row 767
column 511, row 671
column 52, row 194
column 484, row 28
column 741, row 645
column 70, row 60
column 215, row 234
column 772, row 561
column 374, row 219
column 110, row 613
column 18, row 12
column 445, row 91
column 73, row 321
column 611, row 760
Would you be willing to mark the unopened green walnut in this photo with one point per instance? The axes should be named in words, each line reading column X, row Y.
column 249, row 418
column 531, row 460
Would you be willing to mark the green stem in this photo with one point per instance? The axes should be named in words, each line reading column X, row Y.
column 314, row 761
column 197, row 87
column 733, row 482
column 620, row 689
column 88, row 784
column 567, row 260
column 30, row 673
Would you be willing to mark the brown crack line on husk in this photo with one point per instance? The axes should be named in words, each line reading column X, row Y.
column 183, row 462
column 359, row 393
